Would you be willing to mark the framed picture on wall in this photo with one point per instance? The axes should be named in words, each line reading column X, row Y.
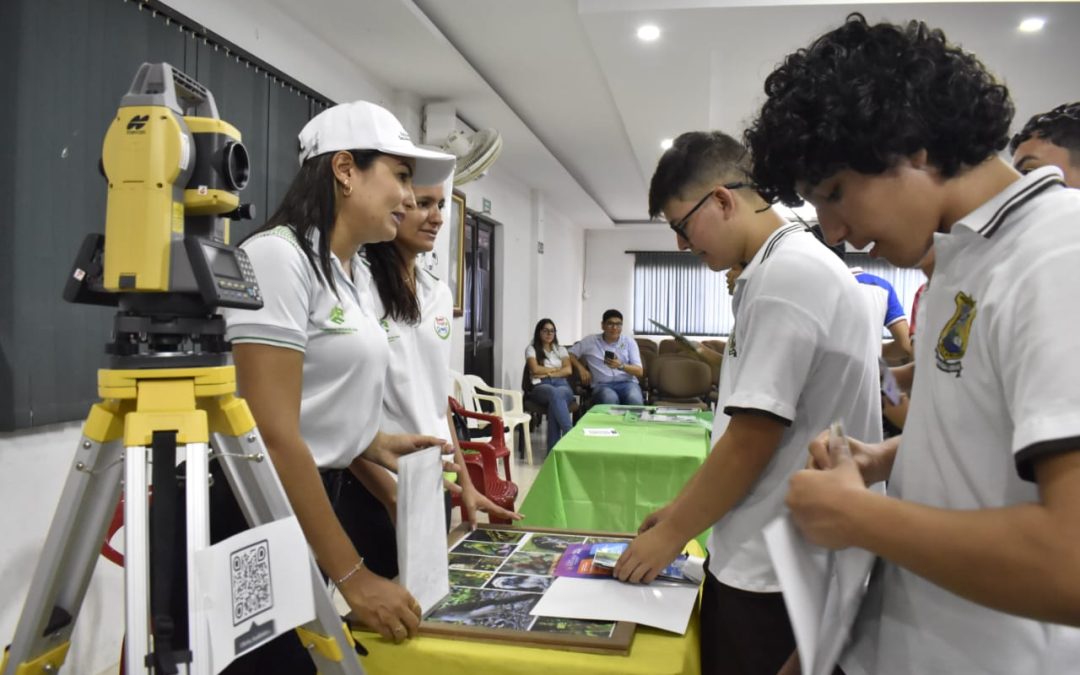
column 456, row 275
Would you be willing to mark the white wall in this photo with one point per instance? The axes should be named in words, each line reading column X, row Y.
column 528, row 285
column 609, row 270
column 561, row 276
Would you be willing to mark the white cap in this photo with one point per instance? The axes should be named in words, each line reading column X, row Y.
column 365, row 126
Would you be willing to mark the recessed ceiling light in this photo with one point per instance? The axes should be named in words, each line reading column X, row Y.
column 648, row 32
column 1032, row 25
column 666, row 143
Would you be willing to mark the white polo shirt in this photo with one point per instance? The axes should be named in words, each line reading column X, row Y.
column 418, row 378
column 345, row 352
column 802, row 350
column 551, row 359
column 997, row 387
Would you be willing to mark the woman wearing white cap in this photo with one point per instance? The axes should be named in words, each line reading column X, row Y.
column 311, row 363
column 416, row 310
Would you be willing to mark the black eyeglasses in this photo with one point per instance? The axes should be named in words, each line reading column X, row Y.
column 680, row 225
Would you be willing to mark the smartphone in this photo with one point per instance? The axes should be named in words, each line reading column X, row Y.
column 609, row 355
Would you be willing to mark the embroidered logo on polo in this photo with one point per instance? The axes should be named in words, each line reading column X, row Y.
column 386, row 327
column 731, row 349
column 953, row 341
column 337, row 315
column 442, row 327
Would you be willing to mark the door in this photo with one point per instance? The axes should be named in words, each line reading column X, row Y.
column 480, row 296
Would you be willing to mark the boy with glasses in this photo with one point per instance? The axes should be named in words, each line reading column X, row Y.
column 802, row 355
column 609, row 362
column 893, row 134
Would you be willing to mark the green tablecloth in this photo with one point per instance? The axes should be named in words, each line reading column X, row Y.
column 612, row 483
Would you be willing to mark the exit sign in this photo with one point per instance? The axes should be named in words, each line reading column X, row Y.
column 486, row 205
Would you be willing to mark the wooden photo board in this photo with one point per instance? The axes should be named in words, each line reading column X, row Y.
column 498, row 573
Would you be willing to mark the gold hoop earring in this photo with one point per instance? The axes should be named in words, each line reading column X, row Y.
column 346, row 190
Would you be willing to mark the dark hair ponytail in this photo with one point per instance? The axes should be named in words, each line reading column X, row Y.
column 390, row 270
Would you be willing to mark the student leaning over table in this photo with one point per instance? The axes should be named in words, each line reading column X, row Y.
column 311, row 363
column 980, row 533
column 802, row 354
column 415, row 309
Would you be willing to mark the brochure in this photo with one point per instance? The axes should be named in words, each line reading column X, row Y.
column 674, row 409
column 623, row 409
column 675, row 334
column 605, row 432
column 597, row 561
column 680, row 417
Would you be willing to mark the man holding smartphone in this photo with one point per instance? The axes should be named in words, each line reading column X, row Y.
column 610, row 363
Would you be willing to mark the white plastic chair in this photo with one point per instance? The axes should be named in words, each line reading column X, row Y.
column 513, row 415
column 462, row 390
column 471, row 389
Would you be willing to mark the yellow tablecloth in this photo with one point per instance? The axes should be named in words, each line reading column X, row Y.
column 653, row 652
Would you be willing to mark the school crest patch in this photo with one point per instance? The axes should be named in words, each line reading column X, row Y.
column 337, row 314
column 732, row 350
column 953, row 341
column 442, row 327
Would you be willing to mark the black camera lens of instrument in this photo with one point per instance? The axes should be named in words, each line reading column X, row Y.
column 237, row 165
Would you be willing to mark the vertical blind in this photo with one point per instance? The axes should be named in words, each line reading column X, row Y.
column 679, row 291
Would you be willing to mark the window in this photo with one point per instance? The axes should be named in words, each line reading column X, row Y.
column 679, row 291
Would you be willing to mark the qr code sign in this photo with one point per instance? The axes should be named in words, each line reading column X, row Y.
column 251, row 593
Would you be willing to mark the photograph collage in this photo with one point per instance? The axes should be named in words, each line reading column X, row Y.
column 498, row 576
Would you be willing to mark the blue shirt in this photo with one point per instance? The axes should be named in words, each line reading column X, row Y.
column 591, row 350
column 887, row 297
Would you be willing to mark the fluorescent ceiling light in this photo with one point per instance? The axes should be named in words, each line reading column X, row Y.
column 648, row 32
column 1032, row 25
column 666, row 143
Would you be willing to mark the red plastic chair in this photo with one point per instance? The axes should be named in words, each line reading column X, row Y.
column 496, row 440
column 481, row 461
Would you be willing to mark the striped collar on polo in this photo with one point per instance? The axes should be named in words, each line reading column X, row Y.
column 988, row 218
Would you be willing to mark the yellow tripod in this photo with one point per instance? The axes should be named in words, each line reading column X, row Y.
column 114, row 451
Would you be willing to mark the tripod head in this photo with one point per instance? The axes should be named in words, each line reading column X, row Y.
column 174, row 170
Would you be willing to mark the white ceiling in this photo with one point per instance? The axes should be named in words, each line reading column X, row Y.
column 583, row 104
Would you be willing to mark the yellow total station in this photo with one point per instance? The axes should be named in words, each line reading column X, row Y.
column 163, row 169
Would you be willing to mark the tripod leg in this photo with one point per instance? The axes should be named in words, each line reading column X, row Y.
column 136, row 560
column 258, row 490
column 67, row 560
column 198, row 538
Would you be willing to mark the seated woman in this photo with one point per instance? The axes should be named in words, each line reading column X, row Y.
column 549, row 366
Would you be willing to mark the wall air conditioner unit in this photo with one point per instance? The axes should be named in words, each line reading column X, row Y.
column 476, row 151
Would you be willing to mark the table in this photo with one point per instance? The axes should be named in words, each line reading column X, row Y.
column 611, row 484
column 653, row 652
